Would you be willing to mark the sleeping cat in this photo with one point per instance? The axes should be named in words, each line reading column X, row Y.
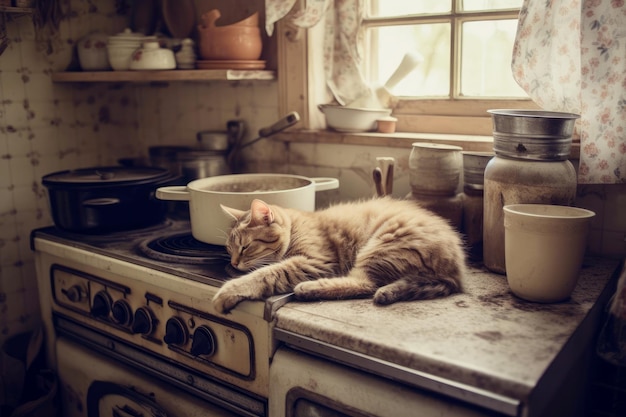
column 393, row 250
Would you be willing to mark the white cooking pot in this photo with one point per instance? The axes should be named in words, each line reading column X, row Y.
column 210, row 224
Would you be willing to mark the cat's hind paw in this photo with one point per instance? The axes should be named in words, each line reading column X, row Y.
column 385, row 296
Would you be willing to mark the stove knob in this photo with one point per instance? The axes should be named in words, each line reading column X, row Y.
column 144, row 321
column 101, row 306
column 74, row 293
column 203, row 342
column 122, row 313
column 175, row 332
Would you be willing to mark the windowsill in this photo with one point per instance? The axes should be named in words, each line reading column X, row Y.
column 475, row 143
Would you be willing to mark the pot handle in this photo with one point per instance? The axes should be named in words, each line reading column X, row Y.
column 173, row 192
column 101, row 202
column 325, row 183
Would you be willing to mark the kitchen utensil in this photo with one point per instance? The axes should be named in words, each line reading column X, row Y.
column 210, row 225
column 152, row 57
column 435, row 169
column 231, row 64
column 544, row 246
column 92, row 52
column 386, row 124
column 120, row 48
column 532, row 134
column 197, row 163
column 105, row 199
column 378, row 181
column 530, row 166
column 186, row 56
column 166, row 156
column 381, row 96
column 350, row 119
column 386, row 164
column 282, row 124
column 238, row 41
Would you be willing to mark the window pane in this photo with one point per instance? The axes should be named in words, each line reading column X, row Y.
column 432, row 77
column 486, row 59
column 474, row 5
column 387, row 8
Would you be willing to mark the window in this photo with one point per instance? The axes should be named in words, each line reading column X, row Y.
column 467, row 52
column 467, row 48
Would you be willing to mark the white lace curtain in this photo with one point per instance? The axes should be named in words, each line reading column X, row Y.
column 569, row 55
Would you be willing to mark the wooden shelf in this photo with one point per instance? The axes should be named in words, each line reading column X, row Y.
column 161, row 76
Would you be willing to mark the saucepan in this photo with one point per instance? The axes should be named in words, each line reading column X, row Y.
column 210, row 224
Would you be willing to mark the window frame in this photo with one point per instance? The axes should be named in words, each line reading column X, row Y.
column 302, row 86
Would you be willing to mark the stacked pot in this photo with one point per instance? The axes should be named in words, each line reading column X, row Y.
column 121, row 47
column 530, row 166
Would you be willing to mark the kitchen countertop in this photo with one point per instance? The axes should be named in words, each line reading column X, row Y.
column 485, row 338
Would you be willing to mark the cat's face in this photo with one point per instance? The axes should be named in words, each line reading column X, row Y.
column 257, row 238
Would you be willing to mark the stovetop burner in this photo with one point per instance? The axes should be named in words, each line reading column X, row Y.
column 183, row 248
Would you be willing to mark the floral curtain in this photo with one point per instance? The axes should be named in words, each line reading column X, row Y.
column 342, row 20
column 570, row 55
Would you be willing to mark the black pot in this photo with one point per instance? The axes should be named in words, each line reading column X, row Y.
column 107, row 199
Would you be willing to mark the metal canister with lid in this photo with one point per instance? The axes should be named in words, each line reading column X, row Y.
column 530, row 166
column 474, row 164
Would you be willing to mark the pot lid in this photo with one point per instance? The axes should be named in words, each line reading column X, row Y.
column 114, row 175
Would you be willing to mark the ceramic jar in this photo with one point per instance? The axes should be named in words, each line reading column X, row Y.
column 474, row 164
column 120, row 48
column 434, row 169
column 186, row 56
column 240, row 41
column 92, row 52
column 515, row 181
column 434, row 176
column 530, row 166
column 152, row 57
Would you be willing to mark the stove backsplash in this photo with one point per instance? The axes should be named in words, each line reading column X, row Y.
column 46, row 127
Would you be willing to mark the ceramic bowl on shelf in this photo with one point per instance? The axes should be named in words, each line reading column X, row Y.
column 351, row 119
column 121, row 47
column 238, row 41
column 152, row 57
column 92, row 52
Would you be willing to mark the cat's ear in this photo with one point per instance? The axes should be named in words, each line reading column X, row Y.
column 260, row 214
column 231, row 212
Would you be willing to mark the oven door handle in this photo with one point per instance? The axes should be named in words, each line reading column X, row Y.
column 100, row 389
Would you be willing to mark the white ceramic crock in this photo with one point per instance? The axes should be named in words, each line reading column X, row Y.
column 544, row 249
column 210, row 224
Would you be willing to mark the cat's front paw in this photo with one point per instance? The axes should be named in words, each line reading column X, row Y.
column 235, row 291
column 225, row 301
column 308, row 291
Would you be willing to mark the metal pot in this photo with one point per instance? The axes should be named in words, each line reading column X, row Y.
column 209, row 224
column 106, row 199
column 195, row 164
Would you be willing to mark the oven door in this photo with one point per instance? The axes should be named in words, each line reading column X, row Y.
column 93, row 385
column 304, row 385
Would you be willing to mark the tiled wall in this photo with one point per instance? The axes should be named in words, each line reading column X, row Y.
column 46, row 127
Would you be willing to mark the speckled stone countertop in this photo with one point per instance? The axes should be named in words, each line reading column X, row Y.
column 484, row 338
